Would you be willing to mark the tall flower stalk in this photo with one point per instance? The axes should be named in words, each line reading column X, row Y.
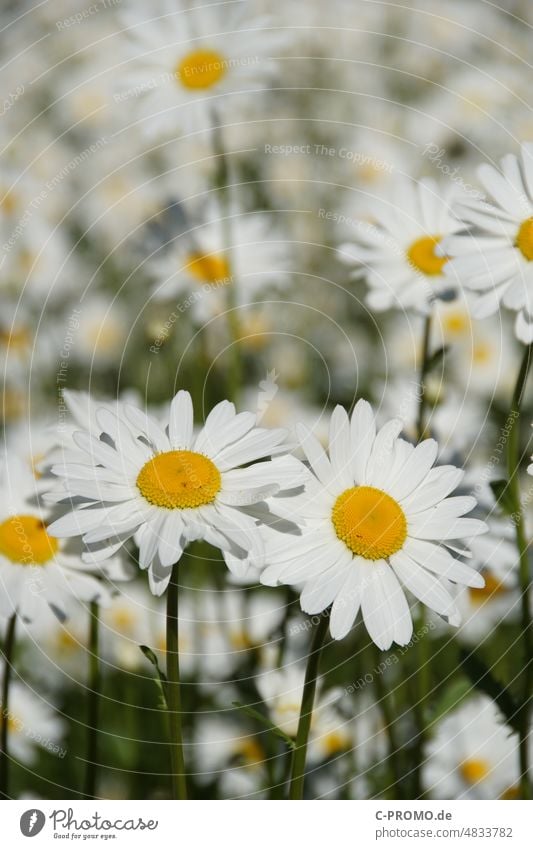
column 422, row 668
column 9, row 645
column 235, row 370
column 513, row 471
column 173, row 691
column 93, row 709
column 299, row 756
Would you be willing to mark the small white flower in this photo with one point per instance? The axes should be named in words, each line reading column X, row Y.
column 399, row 250
column 473, row 755
column 32, row 723
column 377, row 515
column 495, row 261
column 36, row 570
column 198, row 268
column 282, row 689
column 168, row 486
column 184, row 64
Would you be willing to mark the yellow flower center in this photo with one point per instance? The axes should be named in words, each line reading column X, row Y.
column 18, row 339
column 492, row 589
column 474, row 770
column 24, row 539
column 201, row 69
column 422, row 256
column 524, row 240
column 179, row 479
column 369, row 522
column 208, row 268
column 335, row 742
column 250, row 751
column 456, row 323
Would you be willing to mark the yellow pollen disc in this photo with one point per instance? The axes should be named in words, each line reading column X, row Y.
column 17, row 340
column 250, row 751
column 456, row 323
column 335, row 742
column 474, row 770
column 511, row 793
column 208, row 268
column 524, row 240
column 492, row 589
column 201, row 69
column 24, row 539
column 369, row 522
column 422, row 256
column 179, row 479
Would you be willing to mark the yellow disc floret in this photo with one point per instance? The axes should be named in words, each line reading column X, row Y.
column 24, row 539
column 524, row 240
column 421, row 254
column 179, row 479
column 474, row 770
column 208, row 268
column 201, row 69
column 369, row 522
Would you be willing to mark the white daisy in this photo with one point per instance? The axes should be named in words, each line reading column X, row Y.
column 495, row 261
column 32, row 723
column 36, row 570
column 281, row 691
column 199, row 268
column 184, row 64
column 168, row 487
column 398, row 250
column 473, row 755
column 377, row 515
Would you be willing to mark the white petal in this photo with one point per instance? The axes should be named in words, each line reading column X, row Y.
column 181, row 421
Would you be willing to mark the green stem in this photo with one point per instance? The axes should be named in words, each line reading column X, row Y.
column 93, row 707
column 306, row 710
column 386, row 707
column 513, row 466
column 173, row 692
column 422, row 404
column 235, row 371
column 422, row 660
column 9, row 645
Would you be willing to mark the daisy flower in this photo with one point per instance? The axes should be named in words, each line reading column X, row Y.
column 281, row 691
column 495, row 261
column 36, row 569
column 32, row 724
column 376, row 515
column 198, row 266
column 399, row 249
column 167, row 486
column 184, row 64
column 472, row 756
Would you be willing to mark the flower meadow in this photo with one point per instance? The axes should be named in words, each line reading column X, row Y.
column 266, row 334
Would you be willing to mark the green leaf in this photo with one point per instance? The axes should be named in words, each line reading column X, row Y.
column 265, row 722
column 483, row 679
column 161, row 680
column 502, row 494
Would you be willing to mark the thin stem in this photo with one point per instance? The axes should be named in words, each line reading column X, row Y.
column 384, row 703
column 422, row 403
column 93, row 697
column 9, row 645
column 235, row 371
column 513, row 464
column 306, row 711
column 173, row 691
column 422, row 660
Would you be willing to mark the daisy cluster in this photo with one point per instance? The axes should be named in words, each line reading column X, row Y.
column 266, row 274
